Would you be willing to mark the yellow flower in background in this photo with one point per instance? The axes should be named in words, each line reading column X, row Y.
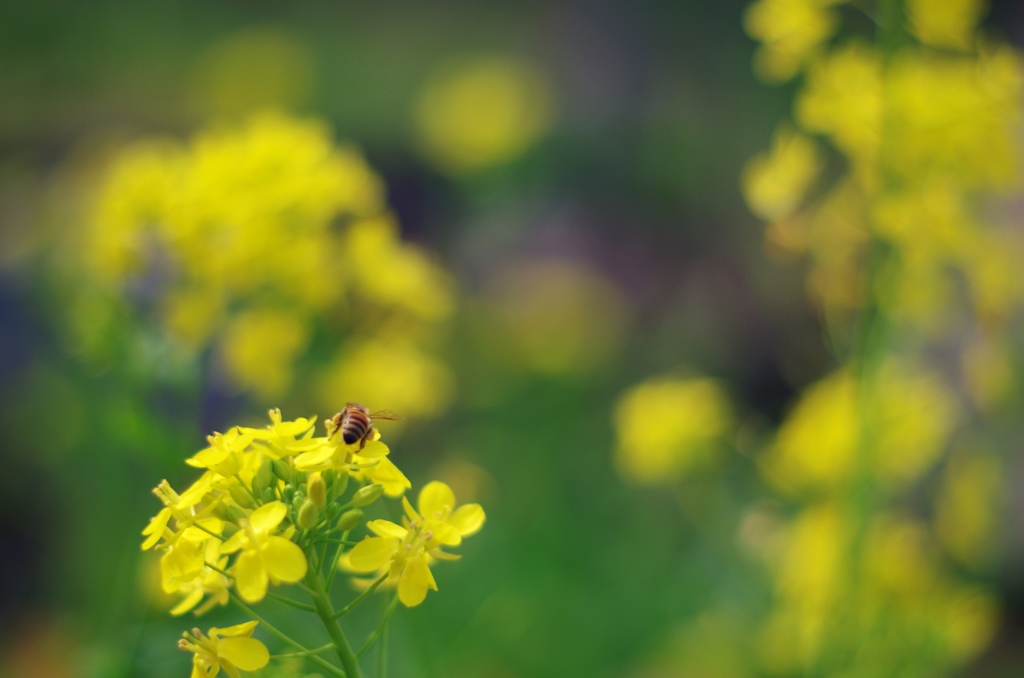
column 482, row 112
column 252, row 69
column 902, row 592
column 945, row 23
column 666, row 427
column 247, row 239
column 842, row 98
column 231, row 649
column 389, row 372
column 913, row 415
column 791, row 31
column 774, row 185
column 967, row 506
column 259, row 348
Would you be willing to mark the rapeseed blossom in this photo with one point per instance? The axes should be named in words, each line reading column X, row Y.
column 230, row 649
column 275, row 506
column 247, row 243
column 405, row 551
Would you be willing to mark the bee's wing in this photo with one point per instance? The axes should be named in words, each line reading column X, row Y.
column 386, row 415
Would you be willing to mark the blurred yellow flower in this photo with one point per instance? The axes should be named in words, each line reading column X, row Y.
column 790, row 32
column 482, row 112
column 774, row 185
column 945, row 23
column 913, row 414
column 666, row 427
column 967, row 506
column 884, row 602
column 245, row 241
column 259, row 348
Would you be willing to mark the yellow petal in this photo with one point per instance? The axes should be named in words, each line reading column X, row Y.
column 211, row 456
column 372, row 554
column 156, row 528
column 234, row 543
column 316, row 458
column 436, row 497
column 374, row 449
column 284, row 560
column 468, row 519
column 409, row 510
column 187, row 603
column 251, row 577
column 244, row 629
column 416, row 579
column 386, row 528
column 247, row 654
column 268, row 516
column 444, row 534
column 199, row 671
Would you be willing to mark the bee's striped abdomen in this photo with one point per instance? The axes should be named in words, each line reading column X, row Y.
column 355, row 423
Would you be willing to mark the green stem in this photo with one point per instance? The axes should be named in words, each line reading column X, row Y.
column 373, row 587
column 306, row 653
column 380, row 628
column 334, row 560
column 326, row 613
column 288, row 601
column 270, row 627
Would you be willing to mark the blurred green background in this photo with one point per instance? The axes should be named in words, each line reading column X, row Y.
column 572, row 170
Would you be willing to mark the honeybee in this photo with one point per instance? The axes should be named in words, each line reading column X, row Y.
column 355, row 422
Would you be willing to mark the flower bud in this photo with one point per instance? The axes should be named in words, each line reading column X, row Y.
column 241, row 497
column 340, row 484
column 308, row 514
column 281, row 470
column 235, row 514
column 317, row 489
column 333, row 510
column 264, row 477
column 349, row 519
column 268, row 496
column 367, row 495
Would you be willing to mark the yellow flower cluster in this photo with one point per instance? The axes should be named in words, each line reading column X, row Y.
column 269, row 498
column 926, row 133
column 900, row 600
column 255, row 241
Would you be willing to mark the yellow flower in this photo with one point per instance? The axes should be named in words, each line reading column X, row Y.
column 666, row 426
column 405, row 551
column 482, row 112
column 210, row 582
column 230, row 649
column 949, row 23
column 774, row 185
column 791, row 30
column 913, row 414
column 265, row 556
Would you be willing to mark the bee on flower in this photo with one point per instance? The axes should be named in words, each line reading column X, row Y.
column 276, row 506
